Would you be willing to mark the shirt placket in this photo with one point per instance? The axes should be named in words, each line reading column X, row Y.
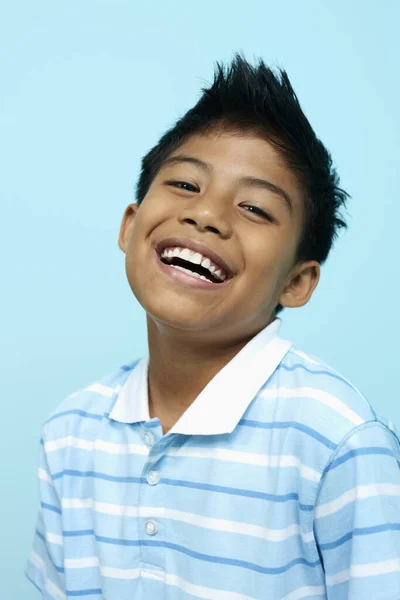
column 151, row 499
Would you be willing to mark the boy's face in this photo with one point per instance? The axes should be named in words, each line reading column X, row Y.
column 212, row 193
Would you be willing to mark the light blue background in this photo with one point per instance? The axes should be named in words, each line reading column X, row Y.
column 86, row 88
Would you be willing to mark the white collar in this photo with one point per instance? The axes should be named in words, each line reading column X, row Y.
column 221, row 404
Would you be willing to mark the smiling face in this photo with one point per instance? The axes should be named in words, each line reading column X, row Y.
column 234, row 201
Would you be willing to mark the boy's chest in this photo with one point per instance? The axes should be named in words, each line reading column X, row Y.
column 194, row 509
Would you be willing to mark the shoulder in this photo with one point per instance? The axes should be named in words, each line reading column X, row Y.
column 86, row 407
column 322, row 398
column 332, row 421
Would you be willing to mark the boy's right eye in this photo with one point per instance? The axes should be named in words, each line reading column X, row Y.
column 183, row 185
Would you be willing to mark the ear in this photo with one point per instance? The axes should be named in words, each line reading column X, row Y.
column 301, row 285
column 126, row 226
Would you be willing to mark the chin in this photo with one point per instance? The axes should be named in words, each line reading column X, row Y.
column 175, row 317
column 176, row 310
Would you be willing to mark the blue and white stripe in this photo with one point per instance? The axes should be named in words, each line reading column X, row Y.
column 295, row 494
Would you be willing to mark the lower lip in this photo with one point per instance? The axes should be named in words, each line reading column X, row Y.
column 186, row 279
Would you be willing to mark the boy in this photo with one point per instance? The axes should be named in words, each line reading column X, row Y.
column 227, row 464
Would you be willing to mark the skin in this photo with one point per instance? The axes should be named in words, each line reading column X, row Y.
column 193, row 333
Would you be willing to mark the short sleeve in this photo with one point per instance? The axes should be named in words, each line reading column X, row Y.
column 45, row 565
column 357, row 516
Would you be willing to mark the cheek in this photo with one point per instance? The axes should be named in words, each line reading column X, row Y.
column 268, row 264
column 155, row 206
column 265, row 258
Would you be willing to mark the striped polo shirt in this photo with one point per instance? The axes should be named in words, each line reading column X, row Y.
column 279, row 482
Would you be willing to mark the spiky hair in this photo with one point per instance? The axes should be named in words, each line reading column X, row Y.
column 261, row 101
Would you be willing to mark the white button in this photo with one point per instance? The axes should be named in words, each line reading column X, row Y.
column 151, row 527
column 153, row 477
column 148, row 438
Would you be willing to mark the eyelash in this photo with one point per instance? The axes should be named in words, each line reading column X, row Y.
column 255, row 209
column 258, row 211
column 178, row 184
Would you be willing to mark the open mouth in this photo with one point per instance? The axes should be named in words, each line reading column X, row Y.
column 193, row 263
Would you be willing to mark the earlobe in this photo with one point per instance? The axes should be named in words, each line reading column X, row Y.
column 126, row 226
column 301, row 286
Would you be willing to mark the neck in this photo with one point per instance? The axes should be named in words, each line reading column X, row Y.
column 180, row 367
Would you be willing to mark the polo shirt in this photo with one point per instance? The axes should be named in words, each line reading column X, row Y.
column 279, row 482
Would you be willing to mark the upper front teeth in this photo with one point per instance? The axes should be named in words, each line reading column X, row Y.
column 196, row 258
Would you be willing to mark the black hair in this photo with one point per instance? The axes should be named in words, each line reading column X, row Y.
column 258, row 100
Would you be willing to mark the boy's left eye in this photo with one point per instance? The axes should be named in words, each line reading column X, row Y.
column 183, row 185
column 258, row 211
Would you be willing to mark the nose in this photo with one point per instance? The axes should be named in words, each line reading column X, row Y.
column 206, row 213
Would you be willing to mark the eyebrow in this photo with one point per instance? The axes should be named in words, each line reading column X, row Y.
column 263, row 184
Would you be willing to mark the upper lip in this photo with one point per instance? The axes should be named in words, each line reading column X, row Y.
column 175, row 242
